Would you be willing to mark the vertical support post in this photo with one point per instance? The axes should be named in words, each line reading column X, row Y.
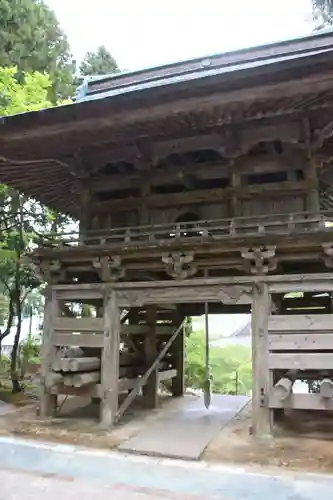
column 150, row 346
column 261, row 414
column 110, row 359
column 177, row 383
column 48, row 401
column 313, row 202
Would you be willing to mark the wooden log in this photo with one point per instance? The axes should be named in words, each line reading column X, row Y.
column 261, row 414
column 283, row 388
column 83, row 364
column 150, row 394
column 53, row 379
column 61, row 365
column 71, row 352
column 81, row 379
column 110, row 359
column 326, row 388
column 48, row 401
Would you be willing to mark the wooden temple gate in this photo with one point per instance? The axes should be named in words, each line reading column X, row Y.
column 285, row 347
column 203, row 181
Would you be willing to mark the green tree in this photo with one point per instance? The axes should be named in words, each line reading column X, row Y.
column 323, row 11
column 98, row 63
column 32, row 40
column 230, row 366
column 20, row 218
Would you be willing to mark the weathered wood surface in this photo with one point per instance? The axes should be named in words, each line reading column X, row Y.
column 301, row 342
column 89, row 390
column 203, row 293
column 69, row 352
column 178, row 359
column 79, row 324
column 110, row 359
column 261, row 415
column 301, row 323
column 82, row 340
column 230, row 280
column 167, row 374
column 48, row 401
column 232, row 287
column 150, row 395
column 301, row 402
column 300, row 361
column 83, row 364
column 326, row 388
column 81, row 379
column 283, row 388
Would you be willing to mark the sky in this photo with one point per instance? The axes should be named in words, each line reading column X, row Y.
column 145, row 33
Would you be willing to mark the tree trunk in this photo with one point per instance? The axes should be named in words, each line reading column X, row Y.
column 16, row 386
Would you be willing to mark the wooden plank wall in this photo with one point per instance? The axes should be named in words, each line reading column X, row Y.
column 300, row 343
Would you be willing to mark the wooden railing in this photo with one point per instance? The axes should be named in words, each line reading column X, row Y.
column 303, row 222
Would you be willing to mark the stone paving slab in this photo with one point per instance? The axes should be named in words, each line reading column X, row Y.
column 186, row 431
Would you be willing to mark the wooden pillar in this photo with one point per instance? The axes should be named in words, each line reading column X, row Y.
column 48, row 401
column 261, row 414
column 150, row 347
column 313, row 201
column 235, row 201
column 85, row 217
column 110, row 359
column 178, row 351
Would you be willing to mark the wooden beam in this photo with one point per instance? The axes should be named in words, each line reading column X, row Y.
column 285, row 279
column 167, row 375
column 300, row 361
column 202, row 196
column 301, row 342
column 79, row 324
column 110, row 359
column 301, row 322
column 150, row 394
column 82, row 340
column 301, row 402
column 48, row 401
column 261, row 414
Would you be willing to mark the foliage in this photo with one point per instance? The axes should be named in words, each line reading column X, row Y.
column 230, row 366
column 28, row 94
column 98, row 63
column 32, row 40
column 323, row 11
column 21, row 219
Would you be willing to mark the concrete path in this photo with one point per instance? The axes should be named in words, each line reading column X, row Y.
column 36, row 471
column 185, row 432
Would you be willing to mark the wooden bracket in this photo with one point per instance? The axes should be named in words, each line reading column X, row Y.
column 180, row 265
column 109, row 268
column 259, row 260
